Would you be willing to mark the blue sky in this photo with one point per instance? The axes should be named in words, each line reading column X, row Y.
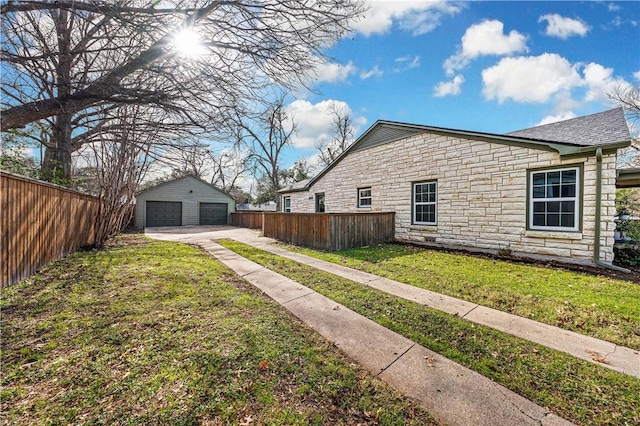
column 487, row 66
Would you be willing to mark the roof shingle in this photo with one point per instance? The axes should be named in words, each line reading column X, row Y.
column 595, row 129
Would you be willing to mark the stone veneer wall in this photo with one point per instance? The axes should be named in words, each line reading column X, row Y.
column 482, row 194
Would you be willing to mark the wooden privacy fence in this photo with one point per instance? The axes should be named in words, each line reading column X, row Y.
column 330, row 231
column 249, row 219
column 39, row 223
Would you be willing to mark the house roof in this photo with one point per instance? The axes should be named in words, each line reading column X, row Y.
column 595, row 129
column 296, row 186
column 628, row 178
column 187, row 176
column 609, row 137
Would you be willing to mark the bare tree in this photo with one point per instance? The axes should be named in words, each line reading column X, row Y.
column 266, row 136
column 194, row 159
column 628, row 97
column 65, row 58
column 119, row 161
column 229, row 167
column 342, row 137
column 223, row 168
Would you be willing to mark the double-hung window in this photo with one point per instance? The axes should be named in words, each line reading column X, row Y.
column 364, row 197
column 554, row 199
column 425, row 203
column 286, row 205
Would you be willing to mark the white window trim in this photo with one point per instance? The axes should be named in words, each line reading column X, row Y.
column 284, row 205
column 360, row 198
column 414, row 203
column 575, row 199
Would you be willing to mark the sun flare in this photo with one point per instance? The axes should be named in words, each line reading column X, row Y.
column 188, row 43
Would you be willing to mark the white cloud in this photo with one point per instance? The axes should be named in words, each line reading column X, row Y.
column 405, row 63
column 485, row 38
column 529, row 78
column 551, row 78
column 600, row 81
column 449, row 88
column 416, row 17
column 613, row 7
column 562, row 27
column 373, row 72
column 636, row 75
column 315, row 121
column 332, row 72
column 555, row 118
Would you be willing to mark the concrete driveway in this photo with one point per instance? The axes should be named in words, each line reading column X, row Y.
column 214, row 232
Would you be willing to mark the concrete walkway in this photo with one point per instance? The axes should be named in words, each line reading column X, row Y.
column 600, row 352
column 452, row 393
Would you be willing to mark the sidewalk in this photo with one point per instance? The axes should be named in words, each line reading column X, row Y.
column 453, row 394
column 618, row 358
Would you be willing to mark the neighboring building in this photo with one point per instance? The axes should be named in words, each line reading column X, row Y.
column 532, row 192
column 182, row 202
column 266, row 207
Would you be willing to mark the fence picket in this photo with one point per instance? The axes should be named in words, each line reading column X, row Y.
column 40, row 222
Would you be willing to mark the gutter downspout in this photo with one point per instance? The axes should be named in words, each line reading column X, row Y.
column 596, row 243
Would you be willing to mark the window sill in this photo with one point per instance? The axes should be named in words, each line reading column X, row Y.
column 564, row 235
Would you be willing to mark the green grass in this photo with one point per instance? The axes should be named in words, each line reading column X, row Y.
column 598, row 306
column 574, row 389
column 161, row 333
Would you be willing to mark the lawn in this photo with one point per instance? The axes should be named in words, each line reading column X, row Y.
column 598, row 306
column 151, row 332
column 574, row 389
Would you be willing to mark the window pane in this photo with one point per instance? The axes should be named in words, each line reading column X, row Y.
column 432, row 197
column 538, row 179
column 569, row 176
column 553, row 191
column 568, row 220
column 538, row 191
column 553, row 219
column 553, row 178
column 553, row 206
column 365, row 193
column 365, row 202
column 538, row 220
column 568, row 206
column 431, row 217
column 539, row 207
column 569, row 190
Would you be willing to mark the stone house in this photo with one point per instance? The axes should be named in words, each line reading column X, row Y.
column 185, row 201
column 542, row 192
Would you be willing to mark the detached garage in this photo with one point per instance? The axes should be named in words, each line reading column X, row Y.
column 182, row 202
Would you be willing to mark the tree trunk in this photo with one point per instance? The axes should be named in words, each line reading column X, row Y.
column 56, row 165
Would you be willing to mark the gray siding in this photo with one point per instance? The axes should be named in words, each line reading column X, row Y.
column 190, row 192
